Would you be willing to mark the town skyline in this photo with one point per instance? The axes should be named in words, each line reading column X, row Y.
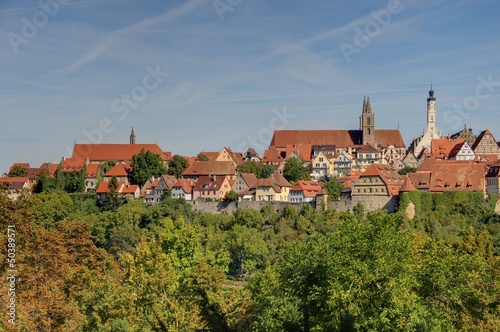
column 207, row 77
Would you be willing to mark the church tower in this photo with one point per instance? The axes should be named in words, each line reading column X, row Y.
column 431, row 132
column 367, row 123
column 431, row 112
column 132, row 136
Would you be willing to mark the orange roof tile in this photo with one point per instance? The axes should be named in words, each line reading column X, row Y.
column 92, row 171
column 200, row 168
column 185, row 185
column 407, row 186
column 393, row 180
column 119, row 152
column 272, row 156
column 119, row 170
column 130, row 189
column 209, row 183
column 339, row 138
column 22, row 165
column 72, row 164
column 249, row 178
column 15, row 182
column 210, row 154
column 304, row 151
column 443, row 147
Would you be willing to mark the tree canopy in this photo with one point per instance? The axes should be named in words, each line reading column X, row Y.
column 18, row 171
column 145, row 165
column 259, row 169
column 295, row 170
column 177, row 165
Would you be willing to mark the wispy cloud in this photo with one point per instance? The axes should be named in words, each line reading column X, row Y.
column 112, row 38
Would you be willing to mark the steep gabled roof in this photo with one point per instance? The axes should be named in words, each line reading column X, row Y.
column 309, row 188
column 443, row 147
column 407, row 185
column 368, row 148
column 72, row 164
column 393, row 180
column 272, row 155
column 91, row 171
column 249, row 178
column 304, row 151
column 119, row 170
column 185, row 185
column 15, row 182
column 169, row 180
column 209, row 183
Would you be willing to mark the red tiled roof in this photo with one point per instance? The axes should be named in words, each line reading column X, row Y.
column 169, row 180
column 52, row 170
column 191, row 160
column 130, row 189
column 119, row 152
column 185, row 185
column 72, row 164
column 209, row 183
column 393, row 180
column 210, row 154
column 443, row 147
column 458, row 176
column 407, row 186
column 15, row 182
column 119, row 170
column 339, row 138
column 368, row 148
column 249, row 178
column 304, row 151
column 276, row 181
column 103, row 187
column 22, row 165
column 272, row 156
column 92, row 171
column 309, row 188
column 200, row 168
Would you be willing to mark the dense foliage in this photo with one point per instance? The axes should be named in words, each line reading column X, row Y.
column 260, row 170
column 145, row 165
column 295, row 170
column 168, row 268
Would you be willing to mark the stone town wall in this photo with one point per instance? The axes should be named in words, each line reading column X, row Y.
column 371, row 203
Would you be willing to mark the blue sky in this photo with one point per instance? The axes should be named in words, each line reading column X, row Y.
column 200, row 75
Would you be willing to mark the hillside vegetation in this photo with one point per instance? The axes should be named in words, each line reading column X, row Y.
column 167, row 268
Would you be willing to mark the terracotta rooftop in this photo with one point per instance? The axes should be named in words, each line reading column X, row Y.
column 407, row 186
column 185, row 185
column 272, row 156
column 92, row 170
column 304, row 151
column 309, row 188
column 169, row 180
column 209, row 183
column 119, row 152
column 392, row 179
column 119, row 170
column 72, row 164
column 200, row 168
column 339, row 138
column 368, row 148
column 443, row 147
column 249, row 178
column 15, row 182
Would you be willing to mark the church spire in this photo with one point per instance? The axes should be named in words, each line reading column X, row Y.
column 132, row 136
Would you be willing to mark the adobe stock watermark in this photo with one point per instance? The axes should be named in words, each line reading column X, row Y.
column 122, row 107
column 31, row 27
column 261, row 141
column 483, row 91
column 222, row 6
column 373, row 28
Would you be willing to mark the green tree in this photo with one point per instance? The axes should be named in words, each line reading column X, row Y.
column 107, row 165
column 260, row 170
column 113, row 198
column 407, row 170
column 202, row 157
column 247, row 249
column 177, row 165
column 145, row 165
column 295, row 170
column 18, row 171
column 231, row 196
column 333, row 188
